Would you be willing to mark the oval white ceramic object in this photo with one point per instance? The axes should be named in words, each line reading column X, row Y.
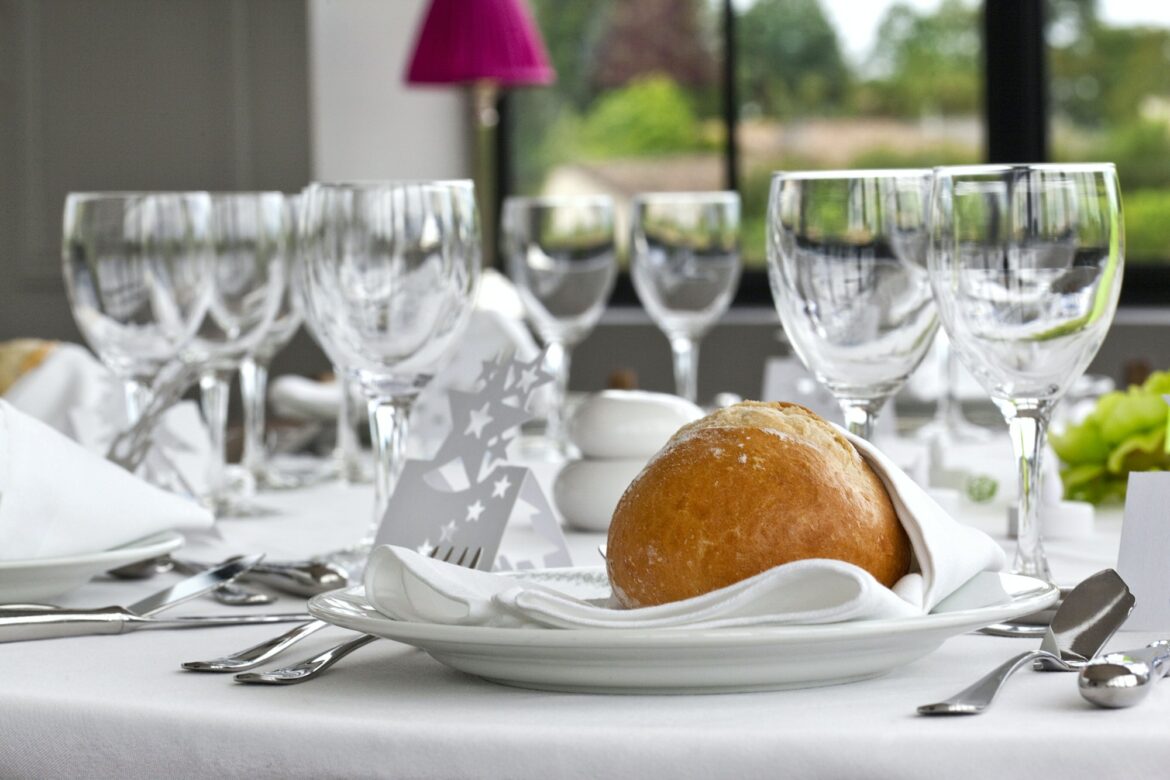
column 628, row 423
column 586, row 491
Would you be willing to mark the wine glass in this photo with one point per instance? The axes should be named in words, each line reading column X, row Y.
column 137, row 274
column 847, row 264
column 254, row 372
column 561, row 255
column 685, row 265
column 249, row 233
column 1026, row 263
column 390, row 271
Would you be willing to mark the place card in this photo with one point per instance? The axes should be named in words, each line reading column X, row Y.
column 468, row 495
column 1143, row 559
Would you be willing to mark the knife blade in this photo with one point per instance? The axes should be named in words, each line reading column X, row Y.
column 193, row 587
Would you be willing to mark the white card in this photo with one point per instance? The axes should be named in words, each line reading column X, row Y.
column 1143, row 560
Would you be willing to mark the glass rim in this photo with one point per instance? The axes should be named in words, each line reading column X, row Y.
column 560, row 200
column 370, row 184
column 687, row 196
column 857, row 173
column 997, row 168
column 129, row 194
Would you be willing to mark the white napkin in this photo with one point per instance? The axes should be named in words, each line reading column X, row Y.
column 405, row 585
column 77, row 395
column 59, row 499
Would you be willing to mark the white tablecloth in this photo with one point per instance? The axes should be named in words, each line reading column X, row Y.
column 121, row 707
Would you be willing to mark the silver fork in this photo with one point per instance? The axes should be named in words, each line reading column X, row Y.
column 311, row 667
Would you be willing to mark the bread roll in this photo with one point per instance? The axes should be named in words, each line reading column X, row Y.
column 18, row 357
column 752, row 486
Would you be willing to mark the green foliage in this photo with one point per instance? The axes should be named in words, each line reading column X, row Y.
column 789, row 59
column 1147, row 224
column 650, row 116
column 923, row 157
column 1126, row 432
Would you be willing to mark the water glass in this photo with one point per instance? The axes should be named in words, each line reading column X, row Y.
column 389, row 272
column 685, row 264
column 561, row 256
column 1026, row 263
column 847, row 265
column 137, row 272
column 249, row 233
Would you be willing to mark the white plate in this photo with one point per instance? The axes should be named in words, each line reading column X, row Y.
column 627, row 660
column 43, row 578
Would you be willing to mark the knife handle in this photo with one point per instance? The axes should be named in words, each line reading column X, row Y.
column 23, row 622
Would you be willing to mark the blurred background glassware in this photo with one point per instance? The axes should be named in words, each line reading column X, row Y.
column 847, row 265
column 256, row 459
column 390, row 271
column 1026, row 263
column 561, row 256
column 249, row 234
column 685, row 265
column 137, row 269
column 949, row 425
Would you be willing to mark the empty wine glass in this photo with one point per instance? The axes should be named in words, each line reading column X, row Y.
column 249, row 233
column 685, row 265
column 847, row 264
column 137, row 273
column 561, row 255
column 1026, row 263
column 390, row 272
column 254, row 374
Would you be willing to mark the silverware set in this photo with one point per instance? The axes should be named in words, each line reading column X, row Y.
column 251, row 657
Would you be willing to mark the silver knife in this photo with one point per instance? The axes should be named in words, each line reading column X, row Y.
column 1123, row 679
column 19, row 622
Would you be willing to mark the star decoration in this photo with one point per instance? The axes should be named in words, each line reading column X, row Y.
column 474, row 511
column 426, row 548
column 500, row 487
column 498, row 449
column 479, row 418
column 447, row 532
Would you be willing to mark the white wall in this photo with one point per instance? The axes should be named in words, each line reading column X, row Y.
column 365, row 122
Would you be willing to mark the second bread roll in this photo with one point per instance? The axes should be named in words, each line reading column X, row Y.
column 743, row 490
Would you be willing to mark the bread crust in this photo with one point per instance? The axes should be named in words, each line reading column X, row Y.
column 742, row 490
column 20, row 356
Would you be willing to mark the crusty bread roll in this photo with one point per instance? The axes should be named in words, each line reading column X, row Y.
column 747, row 488
column 18, row 357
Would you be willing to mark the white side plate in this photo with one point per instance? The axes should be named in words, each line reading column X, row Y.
column 44, row 578
column 691, row 660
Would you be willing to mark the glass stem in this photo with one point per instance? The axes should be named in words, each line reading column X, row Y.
column 254, row 392
column 389, row 428
column 137, row 399
column 1028, row 424
column 213, row 398
column 349, row 451
column 685, row 351
column 557, row 360
column 860, row 415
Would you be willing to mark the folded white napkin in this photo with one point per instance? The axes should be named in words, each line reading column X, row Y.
column 405, row 585
column 77, row 395
column 59, row 499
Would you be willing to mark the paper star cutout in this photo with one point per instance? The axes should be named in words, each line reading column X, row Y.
column 500, row 487
column 498, row 449
column 426, row 548
column 528, row 379
column 474, row 511
column 489, row 368
column 479, row 418
column 447, row 532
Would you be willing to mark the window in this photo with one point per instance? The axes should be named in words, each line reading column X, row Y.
column 706, row 94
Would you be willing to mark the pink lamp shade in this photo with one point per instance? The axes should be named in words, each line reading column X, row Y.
column 463, row 41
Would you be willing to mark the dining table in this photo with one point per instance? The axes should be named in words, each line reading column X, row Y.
column 121, row 706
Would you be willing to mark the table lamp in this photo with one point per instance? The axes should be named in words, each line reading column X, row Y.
column 486, row 44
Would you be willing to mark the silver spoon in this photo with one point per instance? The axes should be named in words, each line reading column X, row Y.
column 1116, row 680
column 1087, row 617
